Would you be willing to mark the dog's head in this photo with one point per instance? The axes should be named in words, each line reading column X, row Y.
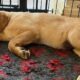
column 4, row 20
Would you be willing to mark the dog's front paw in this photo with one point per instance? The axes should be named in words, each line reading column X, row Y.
column 77, row 51
column 24, row 54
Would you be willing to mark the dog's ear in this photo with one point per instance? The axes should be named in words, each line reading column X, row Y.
column 4, row 20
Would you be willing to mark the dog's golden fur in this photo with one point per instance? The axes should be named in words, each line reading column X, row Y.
column 22, row 28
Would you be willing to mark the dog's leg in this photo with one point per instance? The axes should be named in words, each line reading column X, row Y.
column 77, row 51
column 78, row 77
column 2, row 36
column 74, row 39
column 15, row 45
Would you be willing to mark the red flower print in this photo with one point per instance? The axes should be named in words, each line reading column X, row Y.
column 6, row 57
column 55, row 65
column 27, row 65
column 31, row 62
column 37, row 51
column 25, row 68
column 61, row 54
column 2, row 73
column 55, row 61
column 2, row 63
column 51, row 67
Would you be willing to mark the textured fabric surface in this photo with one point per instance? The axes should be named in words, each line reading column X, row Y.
column 45, row 63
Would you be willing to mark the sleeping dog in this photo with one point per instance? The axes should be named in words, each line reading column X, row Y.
column 22, row 28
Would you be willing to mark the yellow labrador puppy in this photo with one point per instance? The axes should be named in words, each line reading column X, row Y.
column 22, row 28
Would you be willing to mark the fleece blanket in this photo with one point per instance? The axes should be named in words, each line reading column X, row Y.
column 45, row 63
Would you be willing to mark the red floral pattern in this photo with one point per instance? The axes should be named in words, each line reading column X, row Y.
column 2, row 73
column 37, row 51
column 62, row 54
column 6, row 57
column 27, row 65
column 55, row 64
column 2, row 63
